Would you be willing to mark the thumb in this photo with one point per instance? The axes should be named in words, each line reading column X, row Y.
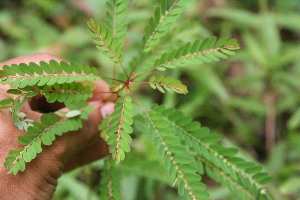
column 67, row 147
column 108, row 108
column 95, row 148
column 77, row 140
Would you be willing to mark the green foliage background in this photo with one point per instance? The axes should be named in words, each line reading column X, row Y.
column 239, row 98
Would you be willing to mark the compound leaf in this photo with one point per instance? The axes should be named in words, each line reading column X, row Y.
column 115, row 129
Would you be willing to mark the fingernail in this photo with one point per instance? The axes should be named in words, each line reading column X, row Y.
column 108, row 108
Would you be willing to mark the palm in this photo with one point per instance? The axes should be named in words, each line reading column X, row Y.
column 70, row 150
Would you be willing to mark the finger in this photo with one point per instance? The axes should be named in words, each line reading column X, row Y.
column 97, row 150
column 78, row 146
column 36, row 58
column 39, row 103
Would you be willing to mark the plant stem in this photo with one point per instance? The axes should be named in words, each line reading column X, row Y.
column 270, row 123
column 263, row 6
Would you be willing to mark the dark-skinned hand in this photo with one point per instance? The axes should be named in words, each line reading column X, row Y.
column 39, row 180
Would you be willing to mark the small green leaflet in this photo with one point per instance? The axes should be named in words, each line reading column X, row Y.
column 73, row 113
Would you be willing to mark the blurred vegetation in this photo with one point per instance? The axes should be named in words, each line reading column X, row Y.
column 253, row 98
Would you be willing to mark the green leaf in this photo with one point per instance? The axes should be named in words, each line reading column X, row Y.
column 26, row 69
column 7, row 101
column 86, row 69
column 117, row 128
column 207, row 50
column 49, row 119
column 38, row 133
column 8, row 71
column 232, row 172
column 177, row 160
column 126, row 127
column 73, row 113
column 56, row 67
column 66, row 67
column 46, row 67
column 167, row 83
column 115, row 21
column 105, row 41
column 4, row 107
column 159, row 25
column 34, row 67
column 109, row 183
column 76, row 67
column 16, row 83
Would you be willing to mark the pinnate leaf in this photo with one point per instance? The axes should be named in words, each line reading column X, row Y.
column 105, row 41
column 167, row 83
column 45, row 133
column 117, row 127
column 235, row 171
column 177, row 160
column 46, row 73
column 199, row 52
column 159, row 25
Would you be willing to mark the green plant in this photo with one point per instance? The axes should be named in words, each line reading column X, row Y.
column 187, row 149
column 270, row 63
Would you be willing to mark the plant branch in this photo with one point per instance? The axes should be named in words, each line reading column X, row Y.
column 108, row 48
column 182, row 58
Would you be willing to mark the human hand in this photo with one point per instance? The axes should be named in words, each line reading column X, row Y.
column 67, row 152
